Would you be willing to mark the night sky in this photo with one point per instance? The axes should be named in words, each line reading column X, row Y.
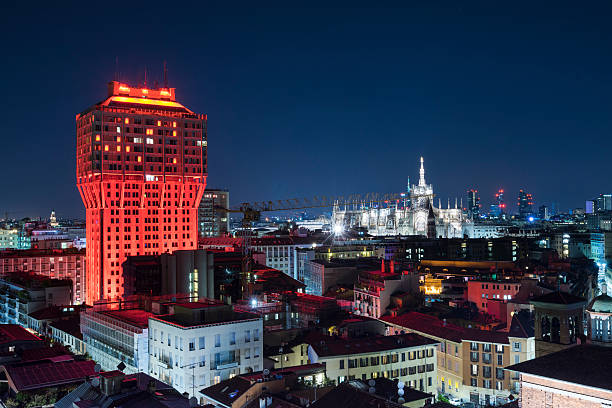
column 305, row 101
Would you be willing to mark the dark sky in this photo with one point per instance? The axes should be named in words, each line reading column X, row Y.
column 307, row 100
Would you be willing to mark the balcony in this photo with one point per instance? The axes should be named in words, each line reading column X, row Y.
column 474, row 357
column 224, row 364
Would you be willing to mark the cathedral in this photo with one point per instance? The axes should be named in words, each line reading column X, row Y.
column 415, row 215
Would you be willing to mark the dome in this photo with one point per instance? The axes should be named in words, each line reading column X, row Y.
column 602, row 304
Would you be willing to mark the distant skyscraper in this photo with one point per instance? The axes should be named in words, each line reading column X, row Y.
column 141, row 172
column 473, row 204
column 211, row 221
column 600, row 204
column 543, row 212
column 525, row 204
column 499, row 208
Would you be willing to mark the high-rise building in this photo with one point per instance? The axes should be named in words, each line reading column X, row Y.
column 599, row 204
column 525, row 204
column 473, row 204
column 141, row 173
column 211, row 221
column 544, row 212
column 499, row 208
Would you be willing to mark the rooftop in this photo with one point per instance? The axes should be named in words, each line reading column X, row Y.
column 433, row 326
column 36, row 375
column 13, row 332
column 559, row 298
column 585, row 365
column 345, row 395
column 326, row 346
column 135, row 317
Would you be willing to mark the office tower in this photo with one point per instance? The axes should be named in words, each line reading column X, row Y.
column 525, row 204
column 473, row 204
column 499, row 208
column 211, row 221
column 599, row 204
column 544, row 212
column 141, row 172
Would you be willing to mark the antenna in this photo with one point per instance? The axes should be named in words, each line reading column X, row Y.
column 165, row 75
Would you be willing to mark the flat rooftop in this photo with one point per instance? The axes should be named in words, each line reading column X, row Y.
column 135, row 317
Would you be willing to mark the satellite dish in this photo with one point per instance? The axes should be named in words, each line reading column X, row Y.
column 400, row 384
column 193, row 402
column 401, row 400
column 95, row 382
column 266, row 371
column 372, row 390
column 97, row 368
column 400, row 392
column 371, row 383
column 121, row 366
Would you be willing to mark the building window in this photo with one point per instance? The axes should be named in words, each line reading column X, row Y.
column 191, row 344
column 202, row 342
column 517, row 346
column 232, row 338
column 217, row 340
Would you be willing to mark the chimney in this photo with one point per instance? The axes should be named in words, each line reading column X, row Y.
column 110, row 383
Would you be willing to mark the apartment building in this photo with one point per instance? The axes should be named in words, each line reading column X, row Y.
column 52, row 263
column 471, row 362
column 373, row 290
column 23, row 293
column 203, row 343
column 407, row 357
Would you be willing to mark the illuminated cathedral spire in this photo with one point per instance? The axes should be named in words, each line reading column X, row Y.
column 422, row 174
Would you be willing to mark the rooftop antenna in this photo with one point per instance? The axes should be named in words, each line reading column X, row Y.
column 165, row 75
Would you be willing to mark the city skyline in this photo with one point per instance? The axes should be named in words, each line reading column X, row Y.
column 307, row 105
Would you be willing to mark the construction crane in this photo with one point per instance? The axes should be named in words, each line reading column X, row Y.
column 251, row 212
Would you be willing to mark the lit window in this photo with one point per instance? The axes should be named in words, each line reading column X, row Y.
column 159, row 123
column 174, row 161
column 118, row 139
column 118, row 148
column 97, row 138
column 127, row 149
column 127, row 121
column 149, row 131
column 174, row 125
column 174, row 133
column 149, row 140
column 106, row 148
column 139, row 159
column 118, row 129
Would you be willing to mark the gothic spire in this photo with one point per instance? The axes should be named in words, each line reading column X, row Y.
column 422, row 174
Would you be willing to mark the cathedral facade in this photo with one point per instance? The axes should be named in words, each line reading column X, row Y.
column 415, row 215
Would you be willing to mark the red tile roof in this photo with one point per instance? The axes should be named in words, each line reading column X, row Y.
column 32, row 376
column 13, row 332
column 337, row 346
column 431, row 325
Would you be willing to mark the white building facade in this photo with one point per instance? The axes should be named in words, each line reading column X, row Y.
column 190, row 355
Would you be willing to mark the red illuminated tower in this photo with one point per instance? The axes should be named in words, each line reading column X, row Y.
column 141, row 172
